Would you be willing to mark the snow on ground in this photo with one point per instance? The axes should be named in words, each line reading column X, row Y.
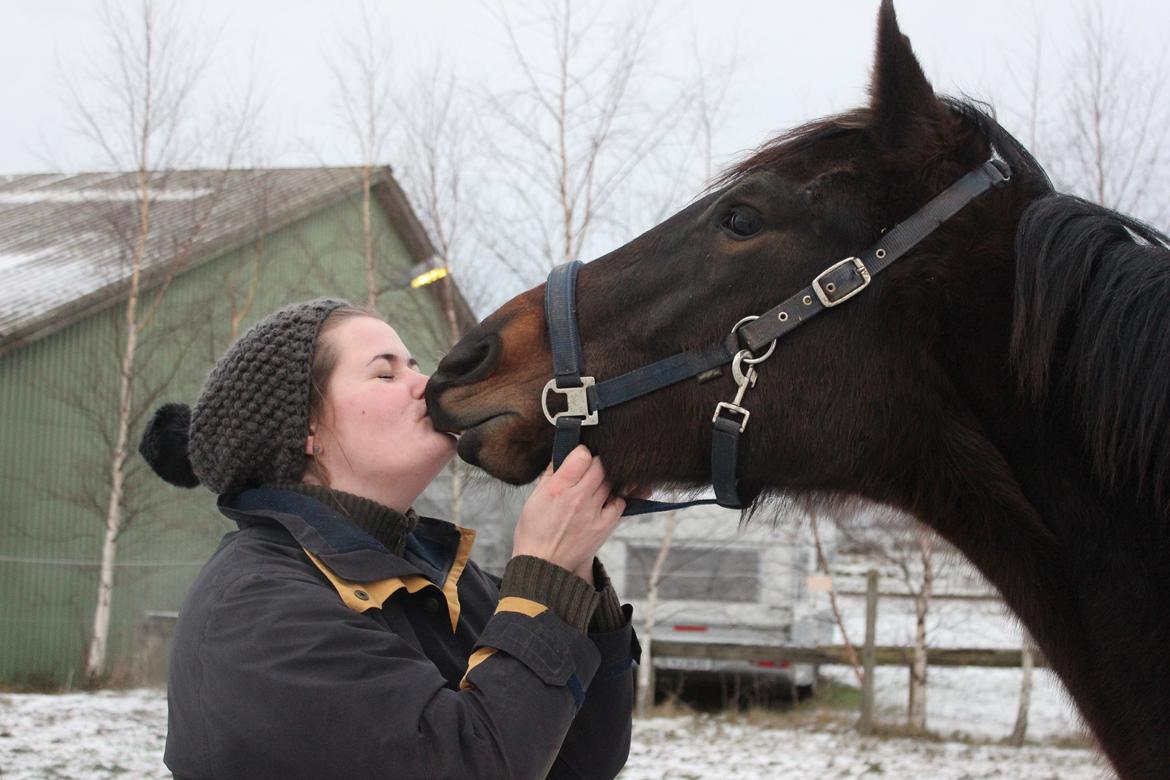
column 974, row 702
column 121, row 734
column 80, row 736
column 702, row 748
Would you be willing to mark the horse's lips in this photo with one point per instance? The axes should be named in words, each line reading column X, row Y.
column 446, row 424
column 471, row 437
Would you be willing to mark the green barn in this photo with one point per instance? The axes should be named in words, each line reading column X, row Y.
column 222, row 249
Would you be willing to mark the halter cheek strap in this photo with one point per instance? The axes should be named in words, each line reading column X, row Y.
column 560, row 311
column 585, row 398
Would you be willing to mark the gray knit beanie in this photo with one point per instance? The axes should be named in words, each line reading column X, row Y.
column 249, row 425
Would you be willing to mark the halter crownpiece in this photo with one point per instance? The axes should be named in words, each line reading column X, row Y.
column 751, row 336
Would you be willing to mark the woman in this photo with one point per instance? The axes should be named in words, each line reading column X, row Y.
column 336, row 633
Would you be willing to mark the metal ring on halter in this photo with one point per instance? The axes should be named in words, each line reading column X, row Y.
column 737, row 373
column 771, row 347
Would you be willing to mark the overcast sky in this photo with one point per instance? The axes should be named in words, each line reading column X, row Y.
column 797, row 59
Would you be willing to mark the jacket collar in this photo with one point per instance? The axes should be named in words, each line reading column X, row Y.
column 334, row 539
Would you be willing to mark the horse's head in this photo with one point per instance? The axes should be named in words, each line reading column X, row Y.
column 822, row 406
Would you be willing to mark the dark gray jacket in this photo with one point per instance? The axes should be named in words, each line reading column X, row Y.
column 306, row 649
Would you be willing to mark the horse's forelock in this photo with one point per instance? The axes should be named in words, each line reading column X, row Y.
column 794, row 142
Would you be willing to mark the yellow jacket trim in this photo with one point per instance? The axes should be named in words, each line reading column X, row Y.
column 507, row 604
column 451, row 586
column 477, row 658
column 523, row 606
column 361, row 596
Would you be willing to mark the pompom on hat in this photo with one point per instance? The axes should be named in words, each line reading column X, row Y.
column 248, row 427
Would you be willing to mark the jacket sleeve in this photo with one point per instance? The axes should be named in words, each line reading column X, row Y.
column 294, row 684
column 598, row 742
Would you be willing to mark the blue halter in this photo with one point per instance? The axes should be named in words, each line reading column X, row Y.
column 751, row 336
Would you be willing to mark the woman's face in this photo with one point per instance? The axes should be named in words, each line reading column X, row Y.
column 375, row 437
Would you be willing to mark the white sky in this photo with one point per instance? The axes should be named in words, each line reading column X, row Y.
column 798, row 59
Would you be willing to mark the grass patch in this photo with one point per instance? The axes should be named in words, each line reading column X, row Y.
column 33, row 682
column 836, row 695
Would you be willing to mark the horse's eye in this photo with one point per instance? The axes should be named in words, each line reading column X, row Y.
column 741, row 223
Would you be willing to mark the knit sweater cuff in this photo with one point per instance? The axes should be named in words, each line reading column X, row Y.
column 608, row 616
column 569, row 597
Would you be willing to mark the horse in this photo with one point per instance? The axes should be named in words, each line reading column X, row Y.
column 1006, row 382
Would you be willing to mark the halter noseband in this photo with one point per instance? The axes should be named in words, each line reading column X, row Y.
column 752, row 335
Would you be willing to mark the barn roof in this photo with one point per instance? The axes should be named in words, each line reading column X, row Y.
column 66, row 240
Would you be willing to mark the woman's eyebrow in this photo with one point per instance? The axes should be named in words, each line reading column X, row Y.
column 390, row 357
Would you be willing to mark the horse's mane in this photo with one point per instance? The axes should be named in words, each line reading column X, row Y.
column 1091, row 330
column 1091, row 322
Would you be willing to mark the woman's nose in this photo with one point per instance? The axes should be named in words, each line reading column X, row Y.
column 418, row 383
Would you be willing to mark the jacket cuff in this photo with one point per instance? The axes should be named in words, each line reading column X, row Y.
column 608, row 616
column 566, row 595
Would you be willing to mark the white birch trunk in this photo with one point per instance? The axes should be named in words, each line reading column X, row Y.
column 823, row 565
column 646, row 665
column 1027, row 661
column 368, row 241
column 916, row 709
column 95, row 657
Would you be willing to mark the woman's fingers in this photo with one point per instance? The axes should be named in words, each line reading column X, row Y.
column 612, row 510
column 575, row 466
column 592, row 480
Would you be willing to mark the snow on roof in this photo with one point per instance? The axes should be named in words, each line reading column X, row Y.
column 66, row 240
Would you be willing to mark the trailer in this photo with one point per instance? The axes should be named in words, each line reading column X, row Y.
column 723, row 582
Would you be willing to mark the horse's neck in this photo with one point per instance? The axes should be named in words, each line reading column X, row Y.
column 1084, row 573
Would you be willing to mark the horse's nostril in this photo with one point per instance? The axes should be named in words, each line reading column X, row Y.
column 470, row 360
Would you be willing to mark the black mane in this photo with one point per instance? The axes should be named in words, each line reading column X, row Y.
column 1091, row 332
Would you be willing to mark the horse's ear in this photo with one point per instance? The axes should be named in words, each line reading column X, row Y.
column 901, row 98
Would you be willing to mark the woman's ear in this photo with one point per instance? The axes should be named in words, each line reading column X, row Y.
column 311, row 441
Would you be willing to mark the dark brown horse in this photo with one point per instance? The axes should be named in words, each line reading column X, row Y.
column 1007, row 382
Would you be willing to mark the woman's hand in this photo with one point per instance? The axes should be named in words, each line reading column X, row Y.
column 569, row 515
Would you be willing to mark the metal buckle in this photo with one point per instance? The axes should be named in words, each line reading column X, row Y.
column 858, row 266
column 576, row 398
column 719, row 407
column 743, row 381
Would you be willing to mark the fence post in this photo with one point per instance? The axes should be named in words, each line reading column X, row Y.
column 868, row 655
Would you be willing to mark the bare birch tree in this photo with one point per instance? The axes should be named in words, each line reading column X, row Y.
column 823, row 566
column 910, row 551
column 1119, row 121
column 1028, row 663
column 645, row 695
column 131, row 104
column 916, row 706
column 434, row 165
column 576, row 128
column 364, row 79
column 1095, row 110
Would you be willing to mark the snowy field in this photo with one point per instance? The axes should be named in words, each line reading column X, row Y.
column 121, row 734
column 711, row 748
column 83, row 735
column 971, row 702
